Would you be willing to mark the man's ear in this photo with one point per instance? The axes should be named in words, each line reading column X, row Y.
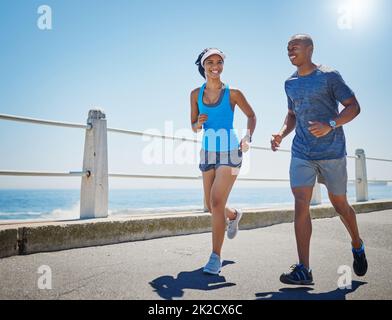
column 310, row 50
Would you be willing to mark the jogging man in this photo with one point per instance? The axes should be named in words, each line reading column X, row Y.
column 318, row 150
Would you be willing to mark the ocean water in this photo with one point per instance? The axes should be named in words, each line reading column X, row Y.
column 64, row 204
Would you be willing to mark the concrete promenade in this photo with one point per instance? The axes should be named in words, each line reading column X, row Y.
column 170, row 267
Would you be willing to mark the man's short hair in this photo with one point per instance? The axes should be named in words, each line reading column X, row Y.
column 307, row 39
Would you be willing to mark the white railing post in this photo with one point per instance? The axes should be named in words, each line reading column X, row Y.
column 361, row 182
column 95, row 188
column 316, row 195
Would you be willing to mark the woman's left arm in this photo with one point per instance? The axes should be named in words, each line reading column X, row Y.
column 239, row 99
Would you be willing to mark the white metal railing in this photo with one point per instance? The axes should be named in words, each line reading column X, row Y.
column 44, row 122
column 137, row 176
column 94, row 187
column 45, row 174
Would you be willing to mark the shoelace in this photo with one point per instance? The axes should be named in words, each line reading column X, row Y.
column 231, row 222
column 212, row 259
column 212, row 262
column 293, row 268
column 359, row 254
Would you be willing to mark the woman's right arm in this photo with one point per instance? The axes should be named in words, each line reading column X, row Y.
column 196, row 119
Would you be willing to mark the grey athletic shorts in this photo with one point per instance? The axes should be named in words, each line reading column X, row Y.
column 332, row 173
column 213, row 160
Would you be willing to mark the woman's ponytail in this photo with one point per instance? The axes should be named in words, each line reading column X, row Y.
column 198, row 63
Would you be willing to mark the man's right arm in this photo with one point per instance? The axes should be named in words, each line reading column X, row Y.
column 289, row 124
column 287, row 128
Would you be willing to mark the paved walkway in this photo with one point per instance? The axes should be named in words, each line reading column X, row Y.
column 170, row 268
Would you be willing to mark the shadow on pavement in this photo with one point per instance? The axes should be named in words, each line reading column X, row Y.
column 168, row 287
column 304, row 293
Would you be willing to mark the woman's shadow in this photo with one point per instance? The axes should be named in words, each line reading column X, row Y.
column 168, row 287
column 304, row 293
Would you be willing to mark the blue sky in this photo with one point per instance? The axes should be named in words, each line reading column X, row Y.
column 135, row 59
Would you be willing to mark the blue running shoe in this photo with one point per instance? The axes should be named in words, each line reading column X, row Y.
column 298, row 275
column 360, row 264
column 213, row 265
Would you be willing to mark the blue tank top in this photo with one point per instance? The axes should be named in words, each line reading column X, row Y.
column 219, row 134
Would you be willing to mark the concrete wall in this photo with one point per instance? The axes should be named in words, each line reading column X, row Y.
column 27, row 238
column 8, row 241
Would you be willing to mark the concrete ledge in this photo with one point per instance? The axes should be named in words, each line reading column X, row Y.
column 8, row 242
column 27, row 238
column 369, row 206
column 94, row 232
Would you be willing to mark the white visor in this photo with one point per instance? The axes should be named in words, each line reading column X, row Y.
column 210, row 53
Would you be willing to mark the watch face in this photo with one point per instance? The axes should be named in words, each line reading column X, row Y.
column 332, row 123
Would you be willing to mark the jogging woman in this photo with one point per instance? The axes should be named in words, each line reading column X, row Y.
column 212, row 109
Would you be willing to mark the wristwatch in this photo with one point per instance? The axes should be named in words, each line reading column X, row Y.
column 249, row 137
column 332, row 124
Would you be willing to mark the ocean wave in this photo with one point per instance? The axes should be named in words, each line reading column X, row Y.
column 147, row 210
column 64, row 214
column 16, row 214
column 73, row 213
column 56, row 214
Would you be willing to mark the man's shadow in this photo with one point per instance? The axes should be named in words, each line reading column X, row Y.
column 304, row 293
column 168, row 287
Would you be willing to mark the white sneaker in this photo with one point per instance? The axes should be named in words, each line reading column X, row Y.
column 232, row 227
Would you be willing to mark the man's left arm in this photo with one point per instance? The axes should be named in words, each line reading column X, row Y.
column 350, row 111
column 346, row 97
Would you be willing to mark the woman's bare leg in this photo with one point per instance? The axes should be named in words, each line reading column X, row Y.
column 221, row 187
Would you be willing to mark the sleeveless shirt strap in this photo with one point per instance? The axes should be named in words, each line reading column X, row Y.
column 200, row 98
column 227, row 94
